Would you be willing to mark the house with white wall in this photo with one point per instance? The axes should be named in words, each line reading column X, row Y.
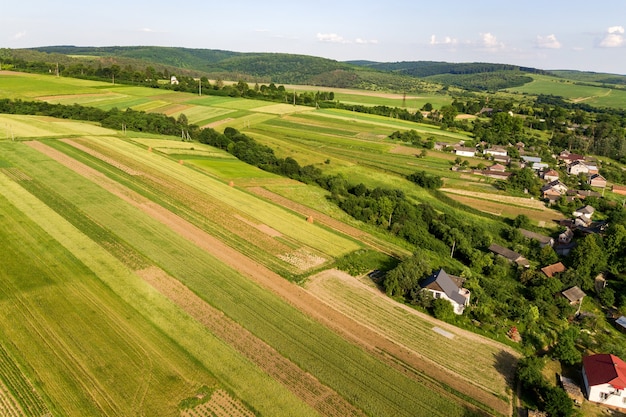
column 604, row 378
column 448, row 287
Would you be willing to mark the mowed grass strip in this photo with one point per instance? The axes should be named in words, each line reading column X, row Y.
column 363, row 380
column 188, row 351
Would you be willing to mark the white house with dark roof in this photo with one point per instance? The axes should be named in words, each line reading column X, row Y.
column 448, row 287
column 577, row 167
column 604, row 378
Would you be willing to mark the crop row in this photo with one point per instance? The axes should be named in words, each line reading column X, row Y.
column 19, row 387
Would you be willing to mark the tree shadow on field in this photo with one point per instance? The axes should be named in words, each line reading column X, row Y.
column 505, row 364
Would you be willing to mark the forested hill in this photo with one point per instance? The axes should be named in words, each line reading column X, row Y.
column 410, row 76
column 470, row 75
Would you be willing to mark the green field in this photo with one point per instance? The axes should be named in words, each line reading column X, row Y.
column 571, row 90
column 86, row 213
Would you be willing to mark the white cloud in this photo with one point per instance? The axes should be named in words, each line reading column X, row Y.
column 331, row 38
column 613, row 38
column 18, row 35
column 366, row 41
column 447, row 40
column 547, row 42
column 146, row 30
column 489, row 41
column 334, row 38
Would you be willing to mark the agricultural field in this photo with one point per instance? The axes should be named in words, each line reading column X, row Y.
column 161, row 266
column 570, row 90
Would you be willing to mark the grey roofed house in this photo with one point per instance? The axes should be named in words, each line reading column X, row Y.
column 542, row 239
column 450, row 287
column 510, row 255
column 621, row 323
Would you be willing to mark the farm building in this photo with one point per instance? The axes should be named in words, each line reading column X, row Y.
column 619, row 189
column 173, row 80
column 531, row 159
column 510, row 255
column 464, row 151
column 550, row 270
column 620, row 323
column 448, row 287
column 542, row 239
column 604, row 377
column 496, row 150
column 574, row 295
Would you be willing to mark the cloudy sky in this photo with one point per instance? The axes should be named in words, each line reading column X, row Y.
column 547, row 34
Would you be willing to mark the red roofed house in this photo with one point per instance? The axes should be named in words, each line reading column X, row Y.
column 556, row 268
column 604, row 376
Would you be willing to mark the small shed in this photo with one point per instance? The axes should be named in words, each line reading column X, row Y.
column 620, row 323
column 550, row 270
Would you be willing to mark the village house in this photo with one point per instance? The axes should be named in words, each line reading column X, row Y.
column 597, row 180
column 173, row 80
column 496, row 151
column 542, row 239
column 604, row 378
column 551, row 270
column 550, row 175
column 464, row 151
column 509, row 255
column 555, row 187
column 568, row 157
column 497, row 168
column 577, row 167
column 449, row 287
column 586, row 211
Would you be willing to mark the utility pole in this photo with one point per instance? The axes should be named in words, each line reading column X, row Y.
column 200, row 86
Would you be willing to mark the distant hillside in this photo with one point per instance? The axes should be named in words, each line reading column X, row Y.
column 591, row 77
column 279, row 68
column 470, row 76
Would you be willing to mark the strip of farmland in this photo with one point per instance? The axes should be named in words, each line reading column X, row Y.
column 333, row 361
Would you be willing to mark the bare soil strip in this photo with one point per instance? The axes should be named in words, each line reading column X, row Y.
column 379, row 346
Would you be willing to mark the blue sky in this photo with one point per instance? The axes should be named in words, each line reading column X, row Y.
column 548, row 34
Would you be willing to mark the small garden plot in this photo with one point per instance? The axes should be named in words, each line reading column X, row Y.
column 220, row 404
